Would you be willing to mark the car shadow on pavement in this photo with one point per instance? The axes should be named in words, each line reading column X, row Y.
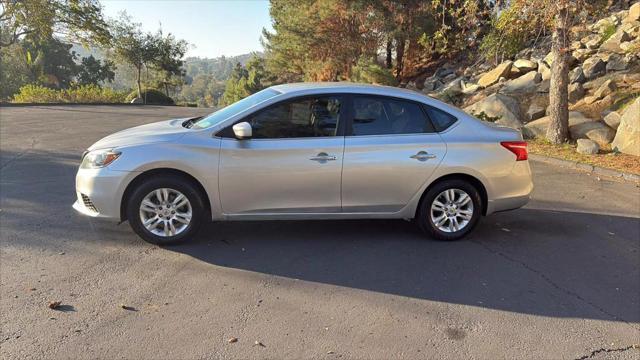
column 540, row 262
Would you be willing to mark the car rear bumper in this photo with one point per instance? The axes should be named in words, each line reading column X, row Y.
column 512, row 191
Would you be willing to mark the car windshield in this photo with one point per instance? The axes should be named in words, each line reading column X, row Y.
column 233, row 109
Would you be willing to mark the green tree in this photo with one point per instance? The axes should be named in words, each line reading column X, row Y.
column 130, row 45
column 50, row 62
column 309, row 37
column 93, row 71
column 80, row 20
column 14, row 71
column 167, row 59
column 245, row 81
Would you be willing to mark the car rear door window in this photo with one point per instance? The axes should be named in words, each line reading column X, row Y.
column 384, row 116
column 441, row 120
column 306, row 117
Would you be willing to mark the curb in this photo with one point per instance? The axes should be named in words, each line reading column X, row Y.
column 597, row 170
column 5, row 104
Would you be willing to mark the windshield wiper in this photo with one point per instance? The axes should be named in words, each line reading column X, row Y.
column 189, row 123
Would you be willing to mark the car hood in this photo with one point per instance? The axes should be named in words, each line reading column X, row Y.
column 162, row 131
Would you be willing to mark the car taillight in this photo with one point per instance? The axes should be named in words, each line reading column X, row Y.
column 517, row 147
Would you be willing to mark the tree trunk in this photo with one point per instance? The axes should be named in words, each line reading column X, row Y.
column 400, row 45
column 138, row 81
column 166, row 88
column 559, row 87
column 389, row 54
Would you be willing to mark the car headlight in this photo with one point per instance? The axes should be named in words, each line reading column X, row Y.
column 99, row 158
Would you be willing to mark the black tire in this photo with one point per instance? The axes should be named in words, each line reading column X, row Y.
column 181, row 184
column 424, row 219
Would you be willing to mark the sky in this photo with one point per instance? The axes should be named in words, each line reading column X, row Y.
column 213, row 27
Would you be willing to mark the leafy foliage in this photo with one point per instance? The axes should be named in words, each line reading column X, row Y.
column 607, row 32
column 50, row 62
column 92, row 71
column 132, row 46
column 484, row 117
column 369, row 71
column 309, row 36
column 167, row 60
column 81, row 20
column 14, row 71
column 245, row 81
column 80, row 94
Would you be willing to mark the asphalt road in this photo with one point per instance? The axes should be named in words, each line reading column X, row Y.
column 557, row 279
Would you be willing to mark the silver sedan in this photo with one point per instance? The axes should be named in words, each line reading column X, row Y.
column 308, row 151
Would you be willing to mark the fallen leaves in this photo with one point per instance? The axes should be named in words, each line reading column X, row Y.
column 258, row 343
column 232, row 340
column 125, row 307
column 54, row 304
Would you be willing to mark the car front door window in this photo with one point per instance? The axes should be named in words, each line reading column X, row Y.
column 300, row 118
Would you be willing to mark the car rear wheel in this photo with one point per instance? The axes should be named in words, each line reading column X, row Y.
column 165, row 210
column 450, row 210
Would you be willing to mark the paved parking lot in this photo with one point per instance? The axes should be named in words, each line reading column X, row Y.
column 557, row 279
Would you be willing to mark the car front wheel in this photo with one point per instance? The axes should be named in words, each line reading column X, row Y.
column 450, row 210
column 165, row 210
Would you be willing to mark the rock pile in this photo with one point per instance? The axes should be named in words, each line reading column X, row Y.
column 603, row 91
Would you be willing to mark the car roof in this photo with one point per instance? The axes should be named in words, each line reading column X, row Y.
column 347, row 87
column 313, row 88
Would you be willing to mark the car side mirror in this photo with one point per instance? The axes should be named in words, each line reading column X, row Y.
column 242, row 130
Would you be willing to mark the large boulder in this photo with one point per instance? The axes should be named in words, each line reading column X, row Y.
column 576, row 92
column 613, row 43
column 469, row 88
column 577, row 75
column 431, row 84
column 627, row 138
column 593, row 67
column 535, row 112
column 499, row 105
column 536, row 128
column 525, row 65
column 545, row 70
column 579, row 125
column 605, row 89
column 550, row 58
column 591, row 38
column 588, row 147
column 617, row 63
column 634, row 13
column 603, row 135
column 494, row 75
column 582, row 54
column 523, row 84
column 454, row 87
column 612, row 119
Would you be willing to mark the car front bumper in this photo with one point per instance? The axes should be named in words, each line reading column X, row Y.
column 99, row 192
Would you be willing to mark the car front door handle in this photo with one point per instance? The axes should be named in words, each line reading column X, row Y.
column 423, row 156
column 323, row 157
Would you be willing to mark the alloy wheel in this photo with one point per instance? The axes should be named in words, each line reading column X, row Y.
column 451, row 210
column 165, row 212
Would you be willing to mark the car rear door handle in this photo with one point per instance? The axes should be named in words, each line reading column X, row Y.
column 423, row 156
column 323, row 157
